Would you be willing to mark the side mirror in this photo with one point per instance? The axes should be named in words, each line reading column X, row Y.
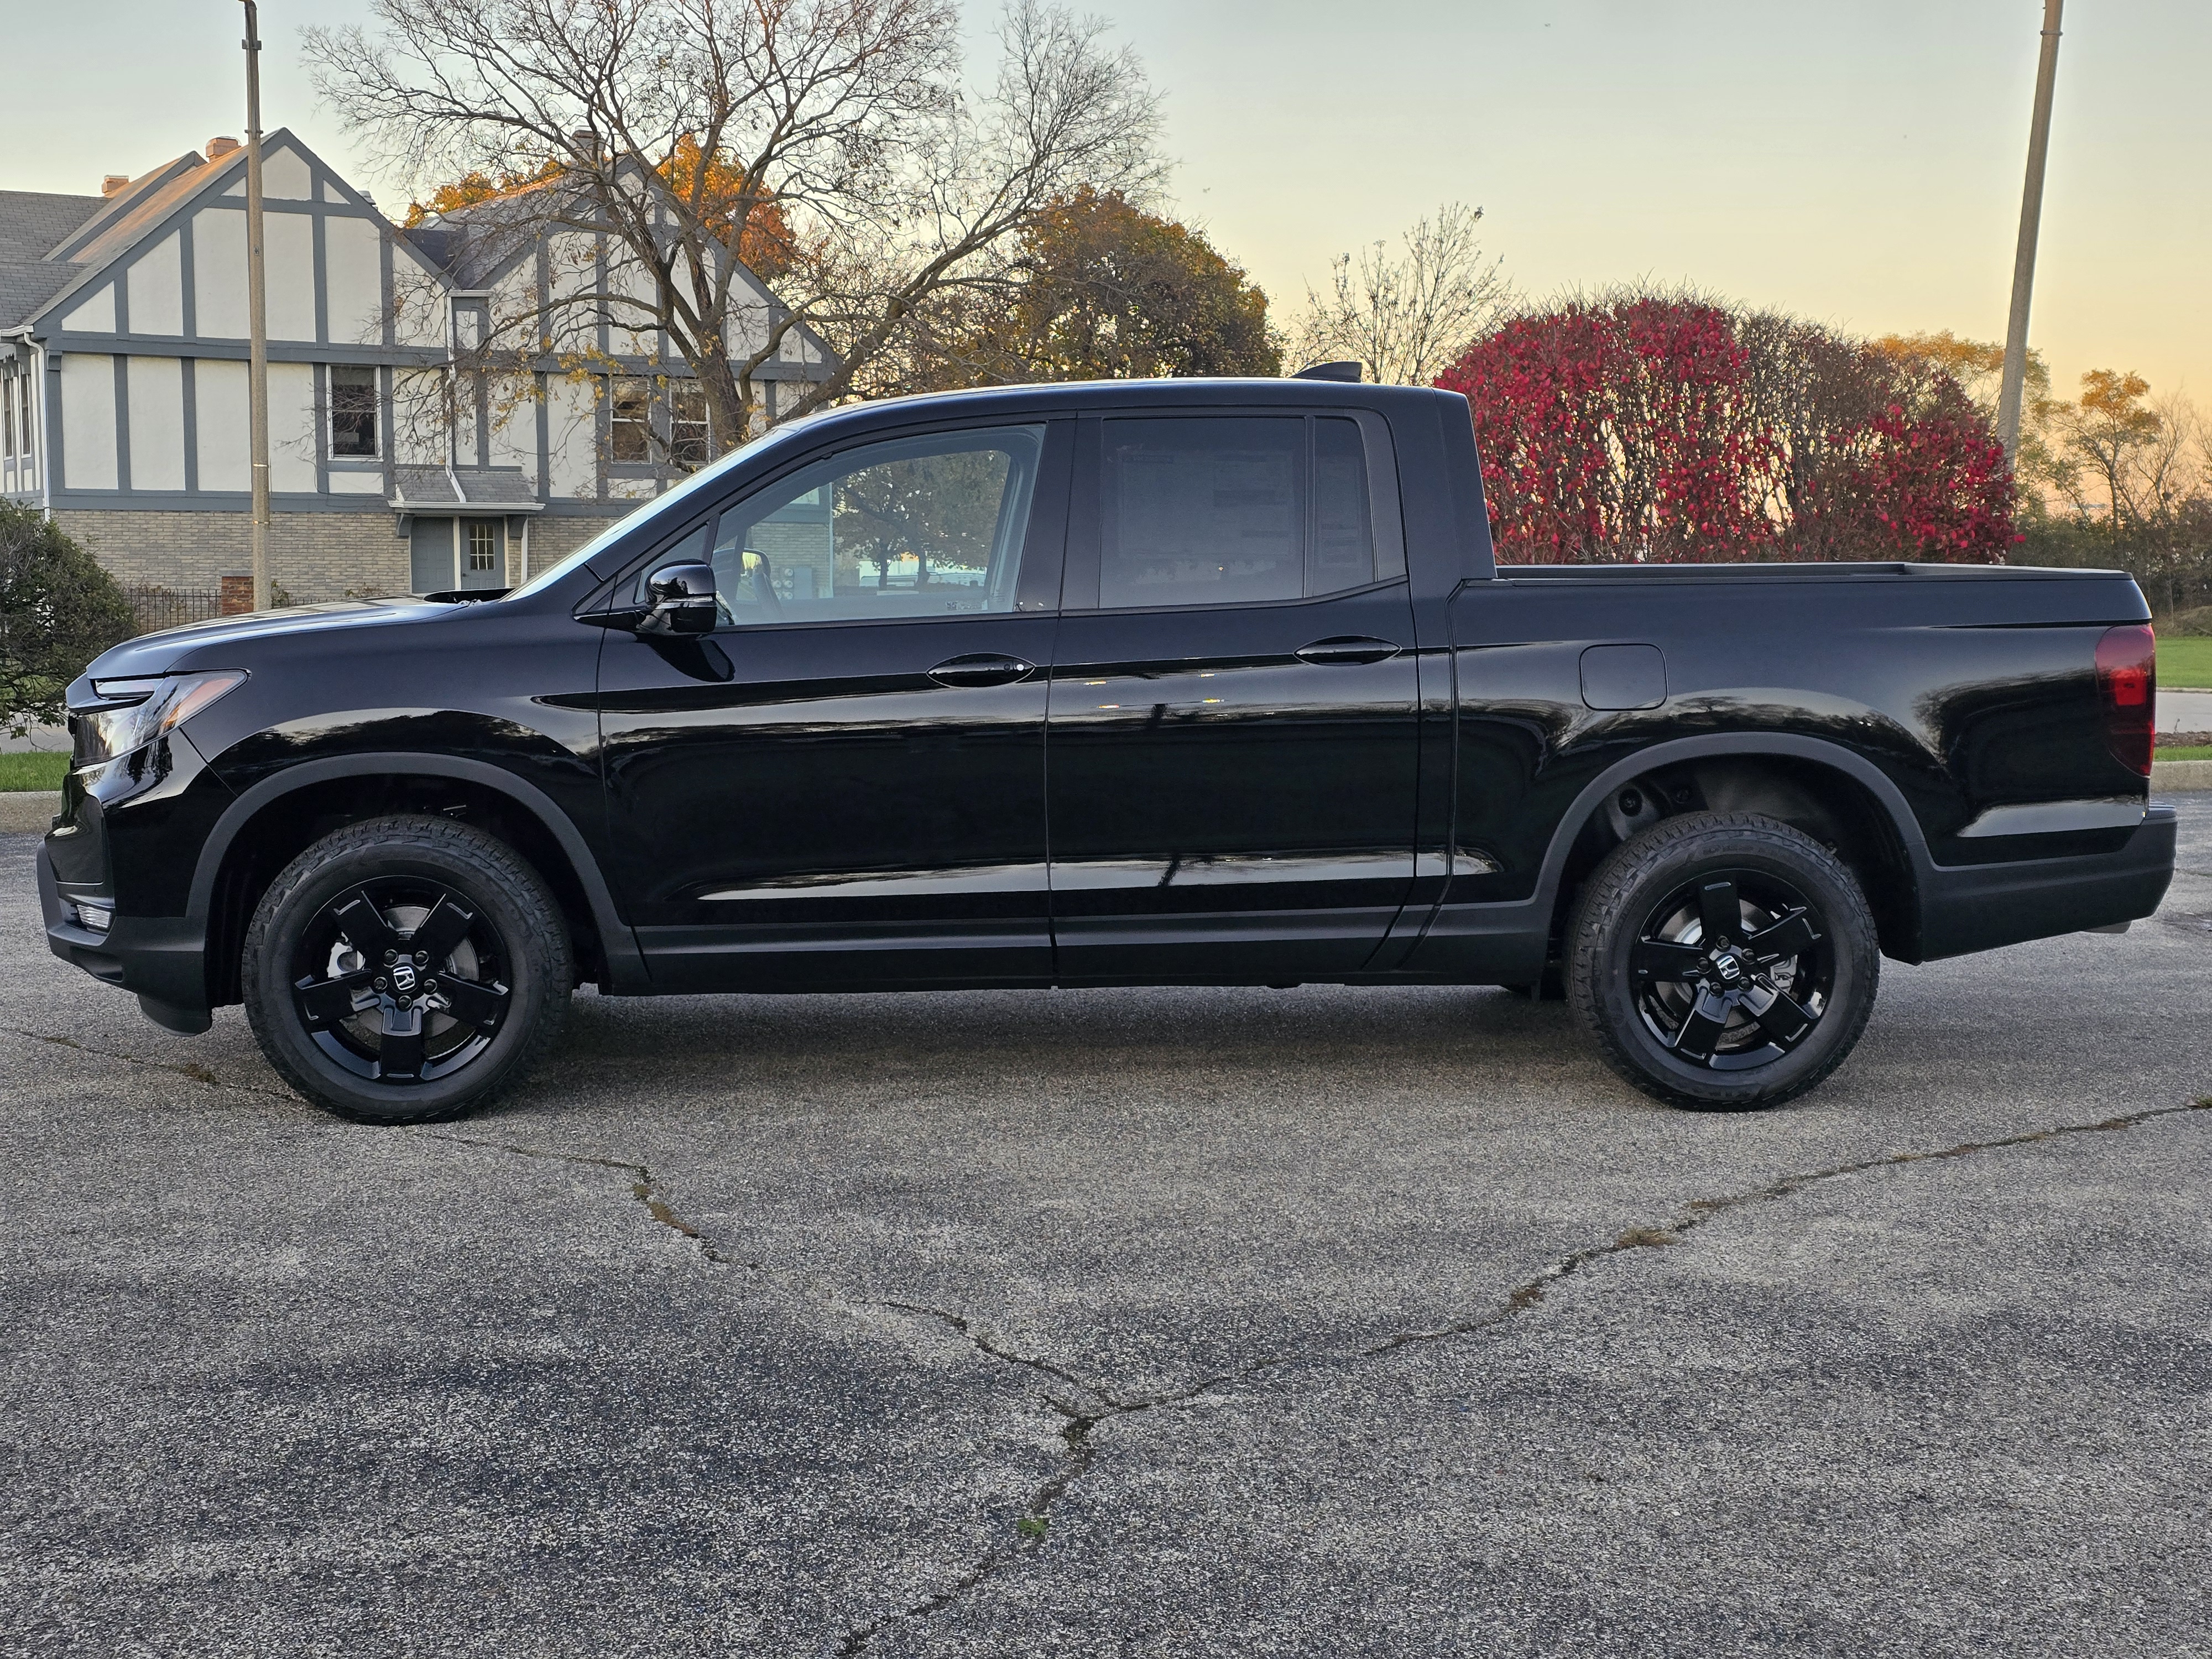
column 681, row 598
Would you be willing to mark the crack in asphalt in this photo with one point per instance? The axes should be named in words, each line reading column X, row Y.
column 1077, row 1430
column 1079, row 1422
column 642, row 1188
column 192, row 1069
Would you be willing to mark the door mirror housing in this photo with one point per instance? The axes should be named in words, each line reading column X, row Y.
column 680, row 599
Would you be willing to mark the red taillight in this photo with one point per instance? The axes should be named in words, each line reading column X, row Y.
column 2127, row 685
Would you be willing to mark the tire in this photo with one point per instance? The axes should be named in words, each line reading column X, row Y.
column 349, row 1017
column 1752, row 1024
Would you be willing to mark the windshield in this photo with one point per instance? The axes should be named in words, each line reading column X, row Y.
column 699, row 480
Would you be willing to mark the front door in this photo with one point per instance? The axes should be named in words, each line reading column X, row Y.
column 1234, row 705
column 483, row 550
column 843, row 785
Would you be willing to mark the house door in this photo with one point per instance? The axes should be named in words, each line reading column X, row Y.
column 430, row 555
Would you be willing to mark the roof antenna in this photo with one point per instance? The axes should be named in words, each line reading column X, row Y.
column 1346, row 370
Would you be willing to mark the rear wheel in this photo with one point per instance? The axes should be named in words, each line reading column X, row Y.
column 1723, row 960
column 405, row 968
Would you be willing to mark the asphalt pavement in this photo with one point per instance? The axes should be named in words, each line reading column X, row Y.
column 1164, row 1322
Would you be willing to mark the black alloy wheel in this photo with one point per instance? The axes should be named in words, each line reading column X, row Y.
column 406, row 969
column 1733, row 969
column 399, row 982
column 1724, row 961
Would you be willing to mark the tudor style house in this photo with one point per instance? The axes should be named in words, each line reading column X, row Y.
column 124, row 394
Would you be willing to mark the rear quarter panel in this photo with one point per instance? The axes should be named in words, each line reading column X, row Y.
column 1967, row 687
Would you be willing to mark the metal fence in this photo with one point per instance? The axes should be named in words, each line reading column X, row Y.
column 157, row 607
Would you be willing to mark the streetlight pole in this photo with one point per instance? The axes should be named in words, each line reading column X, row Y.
column 257, row 311
column 2030, row 216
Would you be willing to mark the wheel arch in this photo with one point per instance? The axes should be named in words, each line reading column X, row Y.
column 270, row 822
column 1833, row 795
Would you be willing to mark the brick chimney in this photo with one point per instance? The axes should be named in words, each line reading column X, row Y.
column 219, row 147
column 114, row 184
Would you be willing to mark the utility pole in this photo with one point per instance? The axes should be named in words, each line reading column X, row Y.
column 2030, row 216
column 257, row 291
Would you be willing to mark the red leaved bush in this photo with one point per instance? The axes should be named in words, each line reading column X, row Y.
column 1658, row 428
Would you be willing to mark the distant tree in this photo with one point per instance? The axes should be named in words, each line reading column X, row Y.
column 1100, row 289
column 678, row 129
column 58, row 610
column 2133, row 475
column 1978, row 368
column 727, row 201
column 1406, row 316
column 472, row 187
column 1666, row 426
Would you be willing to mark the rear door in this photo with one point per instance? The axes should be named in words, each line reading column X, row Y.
column 843, row 785
column 1232, row 728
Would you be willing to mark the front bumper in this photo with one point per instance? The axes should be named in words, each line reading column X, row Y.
column 1980, row 907
column 162, row 959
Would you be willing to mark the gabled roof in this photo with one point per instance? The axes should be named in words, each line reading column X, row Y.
column 24, row 289
column 477, row 245
column 31, row 223
column 84, row 244
column 144, row 204
column 124, row 204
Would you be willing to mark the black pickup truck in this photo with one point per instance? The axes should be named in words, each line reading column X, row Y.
column 1155, row 684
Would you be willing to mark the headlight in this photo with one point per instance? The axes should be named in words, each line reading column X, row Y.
column 131, row 713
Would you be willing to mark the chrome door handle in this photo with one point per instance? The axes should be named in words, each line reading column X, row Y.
column 982, row 668
column 1348, row 648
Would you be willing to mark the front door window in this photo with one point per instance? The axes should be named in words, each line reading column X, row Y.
column 930, row 526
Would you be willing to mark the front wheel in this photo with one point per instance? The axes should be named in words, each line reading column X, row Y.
column 1723, row 960
column 405, row 968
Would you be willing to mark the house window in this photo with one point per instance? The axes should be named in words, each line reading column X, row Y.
column 629, row 422
column 484, row 544
column 353, row 413
column 8, row 417
column 687, row 424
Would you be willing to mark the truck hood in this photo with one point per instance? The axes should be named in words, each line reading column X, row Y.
column 214, row 644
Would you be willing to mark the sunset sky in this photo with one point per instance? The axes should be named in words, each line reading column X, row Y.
column 1858, row 161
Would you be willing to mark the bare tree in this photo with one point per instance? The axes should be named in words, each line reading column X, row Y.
column 1408, row 316
column 832, row 141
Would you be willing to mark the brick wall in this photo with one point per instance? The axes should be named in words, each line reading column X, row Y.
column 312, row 556
column 552, row 540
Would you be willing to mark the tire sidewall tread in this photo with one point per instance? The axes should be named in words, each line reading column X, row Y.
column 1613, row 904
column 532, row 931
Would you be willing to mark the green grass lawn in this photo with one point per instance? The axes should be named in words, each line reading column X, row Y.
column 2187, row 752
column 33, row 771
column 2185, row 665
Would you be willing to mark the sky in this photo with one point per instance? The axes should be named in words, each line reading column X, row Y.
column 1858, row 162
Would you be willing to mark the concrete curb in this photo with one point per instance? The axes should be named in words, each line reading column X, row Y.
column 28, row 811
column 2168, row 776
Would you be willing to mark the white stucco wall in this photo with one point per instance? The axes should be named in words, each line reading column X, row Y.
column 571, row 443
column 88, row 421
column 157, row 289
column 287, row 250
column 157, row 421
column 353, row 262
column 219, row 273
column 94, row 313
column 291, row 427
column 285, row 177
column 415, row 397
column 218, row 391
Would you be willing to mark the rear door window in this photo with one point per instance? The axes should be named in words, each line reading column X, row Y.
column 1235, row 510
